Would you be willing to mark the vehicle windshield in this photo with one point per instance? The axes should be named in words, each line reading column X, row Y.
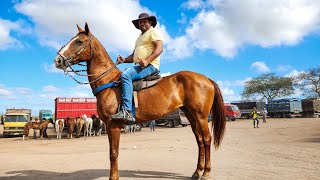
column 16, row 118
column 235, row 108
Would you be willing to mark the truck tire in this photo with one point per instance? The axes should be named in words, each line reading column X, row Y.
column 184, row 125
column 228, row 118
column 176, row 122
column 171, row 123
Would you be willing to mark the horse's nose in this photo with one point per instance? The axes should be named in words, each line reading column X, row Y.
column 58, row 61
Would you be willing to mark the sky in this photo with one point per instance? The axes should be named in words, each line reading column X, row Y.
column 229, row 41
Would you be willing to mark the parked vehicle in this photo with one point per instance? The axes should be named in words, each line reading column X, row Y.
column 74, row 107
column 45, row 114
column 14, row 121
column 290, row 107
column 232, row 112
column 247, row 106
column 174, row 119
column 311, row 107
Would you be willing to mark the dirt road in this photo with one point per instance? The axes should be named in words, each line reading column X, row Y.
column 279, row 149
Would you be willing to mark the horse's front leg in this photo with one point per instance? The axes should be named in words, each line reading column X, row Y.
column 114, row 141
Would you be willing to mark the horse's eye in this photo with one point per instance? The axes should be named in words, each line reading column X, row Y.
column 79, row 43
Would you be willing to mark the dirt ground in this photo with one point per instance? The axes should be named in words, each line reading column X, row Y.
column 279, row 149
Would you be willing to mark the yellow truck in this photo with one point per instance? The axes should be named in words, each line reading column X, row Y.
column 14, row 121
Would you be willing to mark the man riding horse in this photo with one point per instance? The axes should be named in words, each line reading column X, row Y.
column 146, row 53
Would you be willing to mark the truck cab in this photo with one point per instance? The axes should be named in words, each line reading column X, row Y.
column 232, row 112
column 45, row 114
column 14, row 121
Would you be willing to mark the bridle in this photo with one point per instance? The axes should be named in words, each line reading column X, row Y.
column 68, row 60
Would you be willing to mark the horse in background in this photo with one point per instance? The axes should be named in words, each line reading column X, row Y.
column 97, row 125
column 59, row 127
column 35, row 125
column 79, row 124
column 71, row 127
column 87, row 125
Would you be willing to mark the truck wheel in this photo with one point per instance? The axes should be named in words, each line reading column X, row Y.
column 228, row 118
column 171, row 123
column 184, row 125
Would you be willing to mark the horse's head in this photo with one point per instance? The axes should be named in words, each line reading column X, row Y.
column 78, row 49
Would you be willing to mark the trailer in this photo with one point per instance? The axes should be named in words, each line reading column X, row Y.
column 247, row 106
column 311, row 107
column 74, row 107
column 290, row 107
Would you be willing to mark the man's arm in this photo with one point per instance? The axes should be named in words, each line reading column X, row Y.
column 155, row 53
column 128, row 59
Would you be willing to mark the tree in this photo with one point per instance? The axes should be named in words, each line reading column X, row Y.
column 309, row 83
column 269, row 86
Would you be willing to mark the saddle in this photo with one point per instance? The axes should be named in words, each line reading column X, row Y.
column 144, row 83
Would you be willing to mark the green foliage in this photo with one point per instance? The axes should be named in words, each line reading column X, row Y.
column 309, row 83
column 269, row 86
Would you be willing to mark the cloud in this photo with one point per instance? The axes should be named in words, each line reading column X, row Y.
column 50, row 88
column 284, row 68
column 193, row 4
column 260, row 66
column 165, row 74
column 6, row 28
column 225, row 26
column 51, row 68
column 4, row 92
column 109, row 21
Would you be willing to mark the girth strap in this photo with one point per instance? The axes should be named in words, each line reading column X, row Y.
column 105, row 86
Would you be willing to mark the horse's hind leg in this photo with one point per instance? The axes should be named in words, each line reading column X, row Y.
column 201, row 149
column 203, row 128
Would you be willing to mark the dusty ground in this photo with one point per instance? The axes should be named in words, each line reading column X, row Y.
column 280, row 149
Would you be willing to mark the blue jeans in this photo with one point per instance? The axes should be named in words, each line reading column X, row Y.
column 128, row 76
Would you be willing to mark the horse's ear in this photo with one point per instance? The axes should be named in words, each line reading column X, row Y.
column 79, row 28
column 86, row 27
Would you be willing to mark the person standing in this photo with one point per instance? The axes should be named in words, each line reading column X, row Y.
column 264, row 115
column 254, row 116
column 146, row 56
column 152, row 125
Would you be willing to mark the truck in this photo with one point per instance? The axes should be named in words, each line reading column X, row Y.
column 45, row 114
column 288, row 107
column 14, row 121
column 247, row 106
column 232, row 112
column 311, row 107
column 174, row 119
column 74, row 107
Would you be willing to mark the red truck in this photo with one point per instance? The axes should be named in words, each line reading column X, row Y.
column 74, row 107
column 232, row 111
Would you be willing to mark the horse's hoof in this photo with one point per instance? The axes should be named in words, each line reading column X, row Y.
column 195, row 177
column 205, row 178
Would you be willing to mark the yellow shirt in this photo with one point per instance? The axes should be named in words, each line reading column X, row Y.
column 144, row 47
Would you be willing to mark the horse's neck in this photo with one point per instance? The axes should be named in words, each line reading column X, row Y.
column 99, row 64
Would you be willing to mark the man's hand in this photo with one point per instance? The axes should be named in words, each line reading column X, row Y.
column 143, row 63
column 120, row 59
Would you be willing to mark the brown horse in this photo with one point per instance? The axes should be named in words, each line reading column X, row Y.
column 35, row 125
column 71, row 125
column 79, row 124
column 195, row 94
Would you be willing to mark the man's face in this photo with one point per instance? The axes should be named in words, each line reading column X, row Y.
column 144, row 25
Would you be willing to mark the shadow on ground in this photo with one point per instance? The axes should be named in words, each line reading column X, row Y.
column 87, row 175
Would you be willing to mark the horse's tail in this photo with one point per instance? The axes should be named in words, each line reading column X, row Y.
column 218, row 116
